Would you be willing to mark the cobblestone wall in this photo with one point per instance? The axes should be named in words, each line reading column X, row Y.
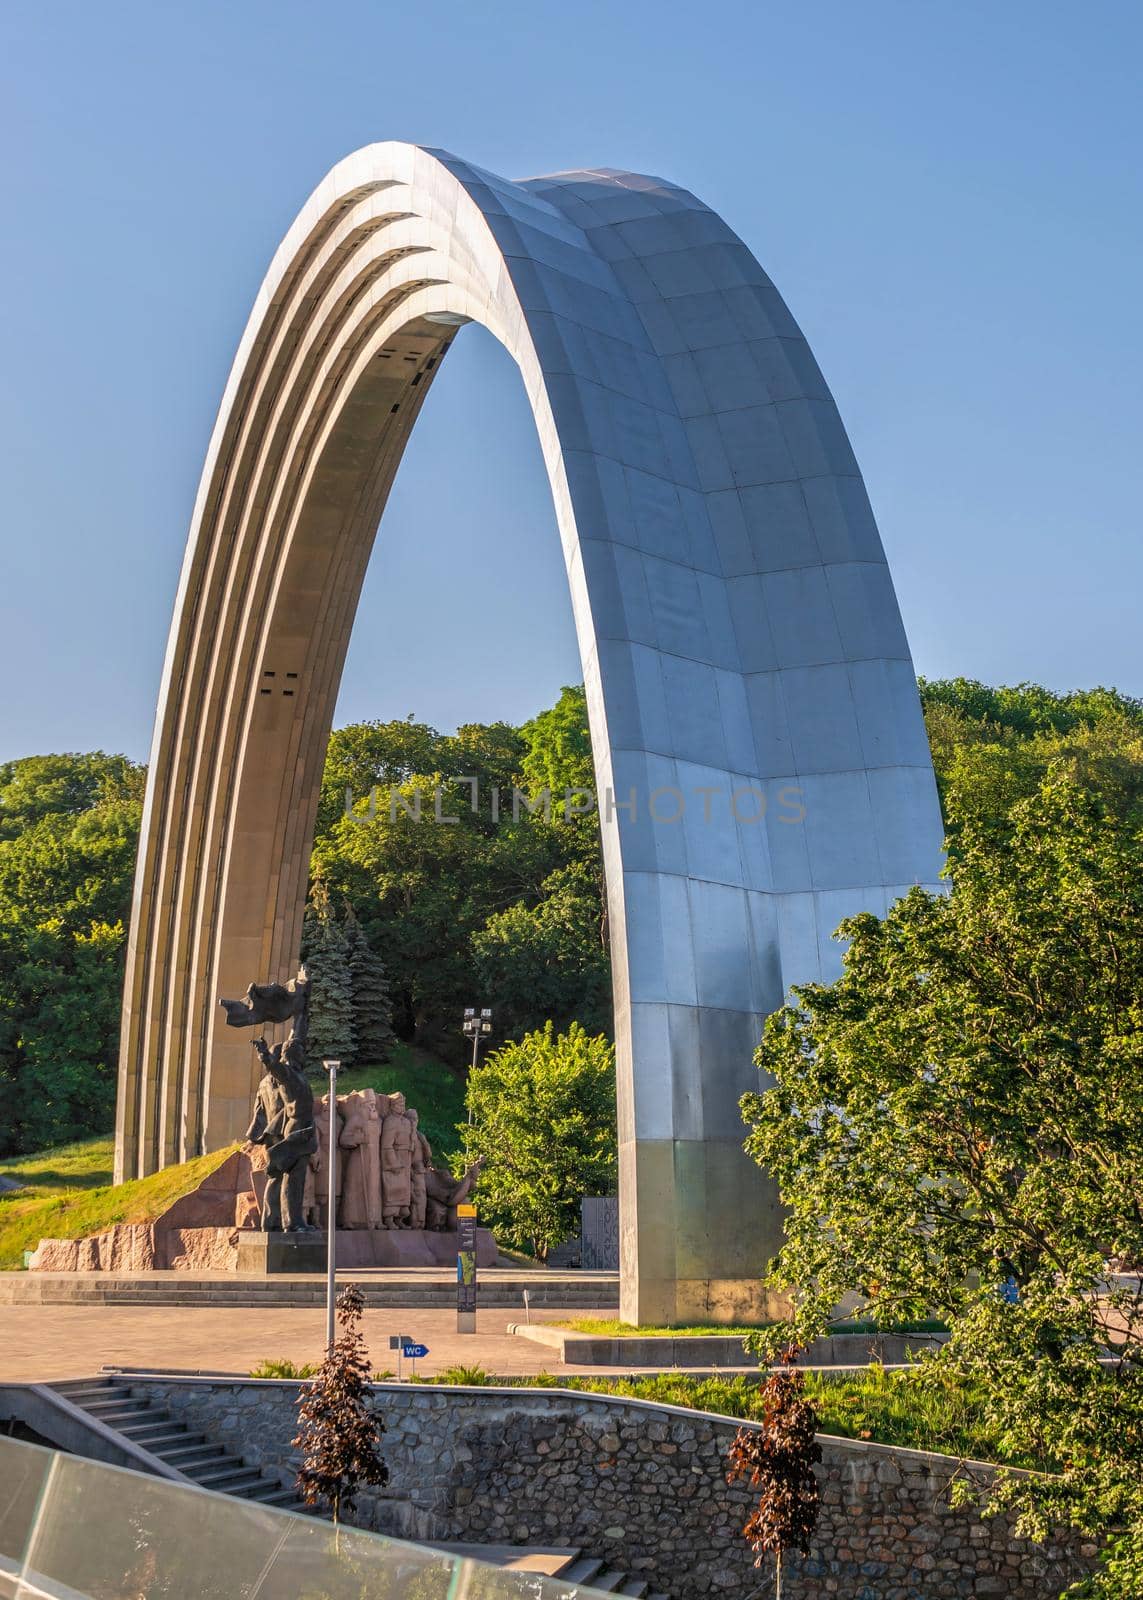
column 643, row 1485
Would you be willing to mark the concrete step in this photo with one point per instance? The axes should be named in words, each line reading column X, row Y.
column 123, row 1421
column 83, row 1392
column 226, row 1476
column 159, row 1425
column 582, row 1571
column 272, row 1493
column 186, row 1456
column 607, row 1580
column 112, row 1406
column 561, row 1291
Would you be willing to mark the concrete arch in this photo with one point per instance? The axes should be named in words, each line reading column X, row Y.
column 736, row 621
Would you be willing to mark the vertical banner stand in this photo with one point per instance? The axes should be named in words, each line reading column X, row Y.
column 466, row 1269
column 331, row 1211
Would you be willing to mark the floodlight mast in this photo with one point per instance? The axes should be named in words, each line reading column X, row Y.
column 476, row 1026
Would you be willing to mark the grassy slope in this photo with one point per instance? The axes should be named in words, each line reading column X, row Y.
column 889, row 1407
column 612, row 1328
column 886, row 1407
column 67, row 1193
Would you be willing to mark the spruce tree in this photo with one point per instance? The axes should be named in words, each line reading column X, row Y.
column 331, row 1031
column 372, row 1006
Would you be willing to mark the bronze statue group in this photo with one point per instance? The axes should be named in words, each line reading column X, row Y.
column 385, row 1177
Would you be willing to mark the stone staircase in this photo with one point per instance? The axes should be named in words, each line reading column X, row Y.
column 603, row 1579
column 388, row 1289
column 568, row 1566
column 152, row 1428
column 199, row 1460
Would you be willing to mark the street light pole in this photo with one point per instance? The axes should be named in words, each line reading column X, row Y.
column 477, row 1028
column 331, row 1208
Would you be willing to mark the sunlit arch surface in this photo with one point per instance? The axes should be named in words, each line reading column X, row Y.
column 736, row 623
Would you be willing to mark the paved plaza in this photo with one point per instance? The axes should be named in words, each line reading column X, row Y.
column 49, row 1342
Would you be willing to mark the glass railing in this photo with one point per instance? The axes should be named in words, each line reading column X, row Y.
column 71, row 1528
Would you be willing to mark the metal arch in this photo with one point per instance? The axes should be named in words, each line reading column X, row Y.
column 741, row 646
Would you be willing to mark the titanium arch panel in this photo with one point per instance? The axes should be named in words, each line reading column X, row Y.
column 738, row 629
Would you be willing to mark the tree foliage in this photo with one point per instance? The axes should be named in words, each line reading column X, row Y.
column 543, row 1121
column 338, row 1427
column 63, row 785
column 68, row 834
column 777, row 1458
column 467, row 891
column 547, row 960
column 557, row 746
column 325, row 952
column 476, row 907
column 956, row 1128
column 992, row 747
column 369, row 988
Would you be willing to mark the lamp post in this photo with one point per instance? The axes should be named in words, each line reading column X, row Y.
column 476, row 1027
column 331, row 1207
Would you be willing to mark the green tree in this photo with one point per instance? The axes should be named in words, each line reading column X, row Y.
column 69, row 1038
column 425, row 888
column 558, row 745
column 547, row 961
column 458, row 882
column 372, row 1007
column 992, row 747
column 956, row 1127
column 326, row 956
column 65, row 890
column 558, row 758
column 35, row 787
column 543, row 1121
column 1027, row 709
column 368, row 755
column 72, row 868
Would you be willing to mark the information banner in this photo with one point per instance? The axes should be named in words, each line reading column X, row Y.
column 466, row 1265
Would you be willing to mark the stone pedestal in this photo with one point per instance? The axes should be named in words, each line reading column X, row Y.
column 281, row 1252
column 408, row 1247
column 356, row 1247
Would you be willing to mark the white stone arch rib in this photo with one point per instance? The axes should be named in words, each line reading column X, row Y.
column 736, row 623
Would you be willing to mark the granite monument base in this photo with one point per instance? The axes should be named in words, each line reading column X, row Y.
column 408, row 1247
column 281, row 1252
column 356, row 1248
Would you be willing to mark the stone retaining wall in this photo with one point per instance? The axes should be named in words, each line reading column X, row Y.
column 643, row 1485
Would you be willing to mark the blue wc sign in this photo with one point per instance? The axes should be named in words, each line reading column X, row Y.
column 414, row 1351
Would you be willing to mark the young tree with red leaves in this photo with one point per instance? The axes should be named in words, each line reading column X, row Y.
column 777, row 1457
column 338, row 1428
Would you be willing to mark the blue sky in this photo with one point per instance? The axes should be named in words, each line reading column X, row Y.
column 948, row 196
